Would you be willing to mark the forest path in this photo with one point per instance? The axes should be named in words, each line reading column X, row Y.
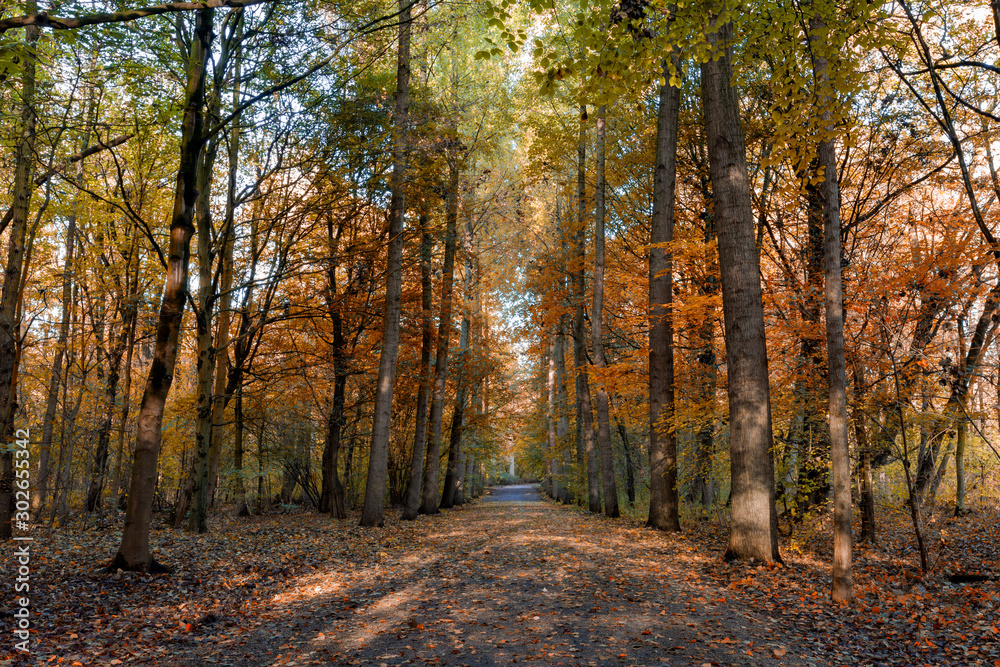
column 515, row 580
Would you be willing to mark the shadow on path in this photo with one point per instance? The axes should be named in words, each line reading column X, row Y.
column 515, row 580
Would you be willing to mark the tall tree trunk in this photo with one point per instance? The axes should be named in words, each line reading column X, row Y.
column 411, row 505
column 221, row 394
column 584, row 410
column 629, row 465
column 663, row 497
column 100, row 464
column 432, row 467
column 332, row 498
column 707, row 369
column 840, row 455
column 239, row 489
column 960, row 467
column 372, row 513
column 562, row 425
column 597, row 331
column 10, row 325
column 197, row 522
column 552, row 456
column 133, row 553
column 754, row 529
column 453, row 471
column 52, row 397
column 332, row 494
column 810, row 436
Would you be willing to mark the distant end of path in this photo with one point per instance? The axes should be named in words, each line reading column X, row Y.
column 521, row 493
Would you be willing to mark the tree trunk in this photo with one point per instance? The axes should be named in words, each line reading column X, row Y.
column 584, row 410
column 197, row 522
column 372, row 513
column 432, row 467
column 239, row 490
column 411, row 505
column 597, row 331
column 133, row 553
column 840, row 456
column 552, row 456
column 453, row 470
column 663, row 497
column 222, row 394
column 629, row 465
column 100, row 464
column 332, row 494
column 960, row 467
column 754, row 529
column 468, row 479
column 10, row 325
column 562, row 425
column 52, row 397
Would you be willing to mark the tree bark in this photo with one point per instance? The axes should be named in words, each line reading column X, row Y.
column 100, row 463
column 10, row 325
column 584, row 409
column 205, row 365
column 754, row 529
column 454, row 469
column 133, row 553
column 239, row 489
column 663, row 496
column 840, row 455
column 552, row 456
column 597, row 330
column 432, row 467
column 562, row 425
column 221, row 394
column 960, row 468
column 372, row 512
column 52, row 397
column 411, row 505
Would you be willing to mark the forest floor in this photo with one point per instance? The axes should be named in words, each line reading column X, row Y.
column 515, row 581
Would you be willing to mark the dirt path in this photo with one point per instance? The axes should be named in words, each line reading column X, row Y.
column 511, row 580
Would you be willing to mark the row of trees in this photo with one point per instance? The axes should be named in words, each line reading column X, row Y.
column 751, row 227
column 826, row 276
column 269, row 388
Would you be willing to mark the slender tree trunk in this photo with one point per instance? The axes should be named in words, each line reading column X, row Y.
column 809, row 453
column 332, row 498
column 197, row 522
column 597, row 331
column 584, row 409
column 372, row 513
column 551, row 418
column 52, row 397
column 562, row 425
column 60, row 502
column 754, row 529
column 960, row 467
column 10, row 325
column 459, row 497
column 239, row 489
column 629, row 465
column 432, row 467
column 663, row 497
column 840, row 456
column 100, row 464
column 133, row 553
column 454, row 469
column 120, row 482
column 411, row 505
column 221, row 395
